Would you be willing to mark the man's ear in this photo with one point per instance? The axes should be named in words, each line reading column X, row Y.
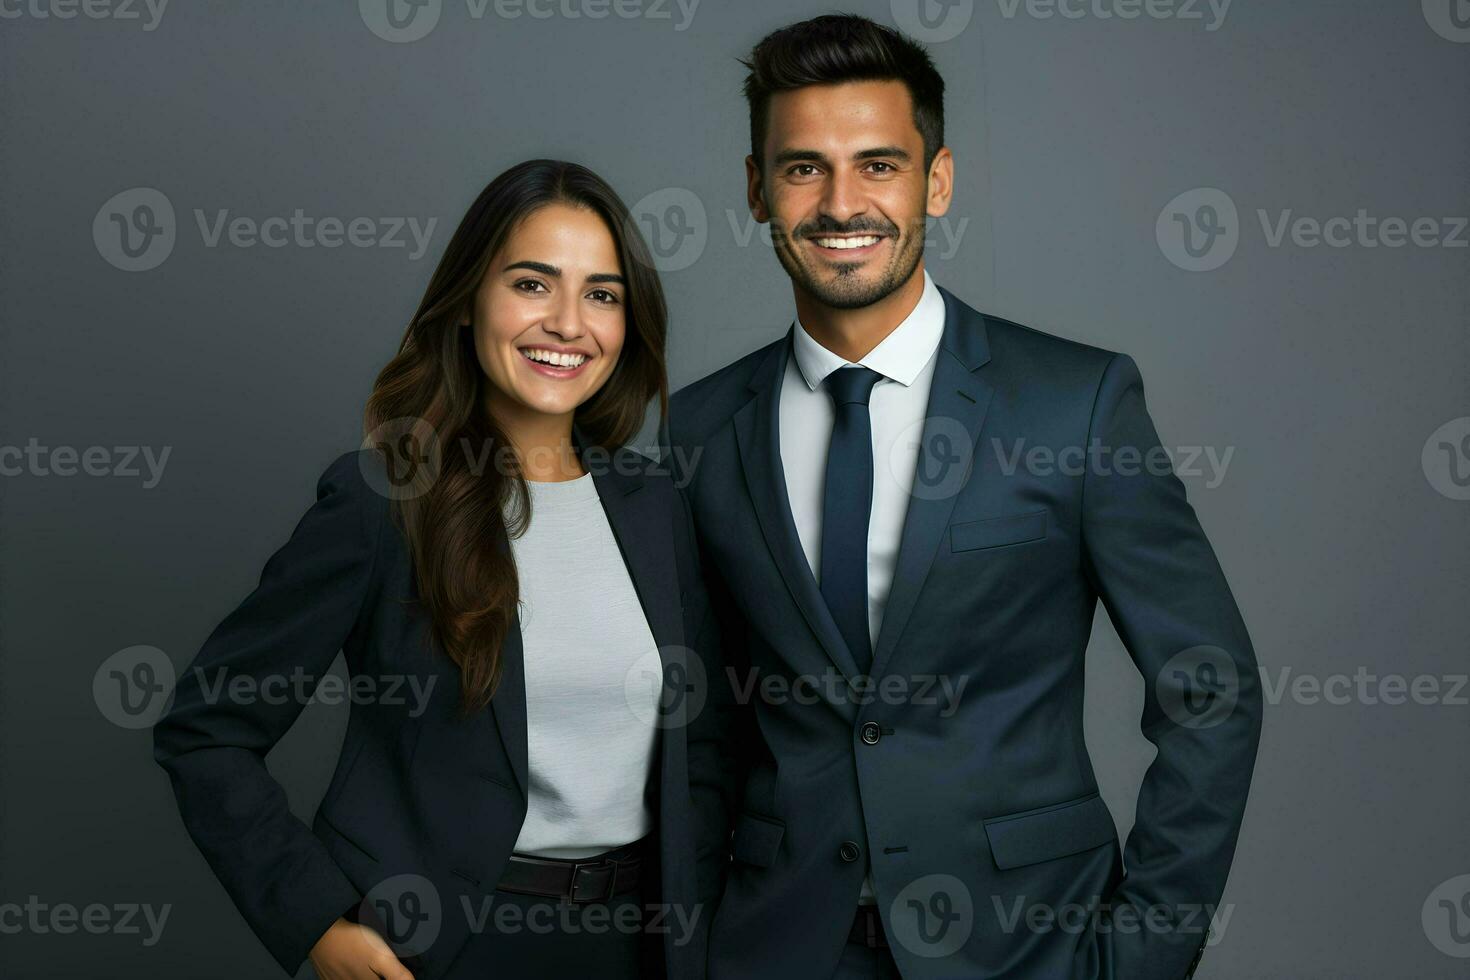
column 753, row 196
column 941, row 183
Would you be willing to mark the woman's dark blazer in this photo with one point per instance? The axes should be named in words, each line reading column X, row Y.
column 420, row 790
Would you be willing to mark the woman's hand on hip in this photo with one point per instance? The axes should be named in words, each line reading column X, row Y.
column 348, row 951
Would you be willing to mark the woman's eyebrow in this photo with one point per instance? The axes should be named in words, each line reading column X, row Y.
column 541, row 267
column 545, row 268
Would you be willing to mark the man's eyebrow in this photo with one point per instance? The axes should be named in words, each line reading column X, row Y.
column 895, row 152
column 550, row 270
column 797, row 154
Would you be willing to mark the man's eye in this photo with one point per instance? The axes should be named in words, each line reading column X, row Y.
column 879, row 166
column 803, row 170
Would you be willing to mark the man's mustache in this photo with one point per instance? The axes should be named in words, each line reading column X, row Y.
column 813, row 229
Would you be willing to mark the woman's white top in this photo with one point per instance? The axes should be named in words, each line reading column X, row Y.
column 590, row 709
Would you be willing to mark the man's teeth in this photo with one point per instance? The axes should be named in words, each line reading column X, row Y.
column 848, row 242
column 554, row 358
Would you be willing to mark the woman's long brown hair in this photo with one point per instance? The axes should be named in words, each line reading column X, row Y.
column 429, row 403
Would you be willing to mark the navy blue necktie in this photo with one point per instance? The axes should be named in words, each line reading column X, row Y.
column 847, row 502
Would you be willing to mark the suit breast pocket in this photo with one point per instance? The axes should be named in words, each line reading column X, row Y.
column 998, row 532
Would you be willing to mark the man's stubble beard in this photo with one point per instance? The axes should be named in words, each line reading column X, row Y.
column 848, row 291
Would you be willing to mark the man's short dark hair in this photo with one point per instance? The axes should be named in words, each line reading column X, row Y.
column 838, row 48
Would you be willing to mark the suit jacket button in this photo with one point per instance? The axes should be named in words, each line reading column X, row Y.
column 871, row 733
column 849, row 851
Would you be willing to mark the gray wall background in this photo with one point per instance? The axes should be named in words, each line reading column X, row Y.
column 1334, row 375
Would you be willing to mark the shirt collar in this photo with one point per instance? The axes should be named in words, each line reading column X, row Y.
column 900, row 356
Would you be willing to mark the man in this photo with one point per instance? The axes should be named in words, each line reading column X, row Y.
column 906, row 602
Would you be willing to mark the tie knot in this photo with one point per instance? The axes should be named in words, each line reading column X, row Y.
column 849, row 385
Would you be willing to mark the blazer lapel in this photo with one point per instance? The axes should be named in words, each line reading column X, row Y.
column 645, row 535
column 644, row 529
column 758, row 434
column 509, row 703
column 958, row 398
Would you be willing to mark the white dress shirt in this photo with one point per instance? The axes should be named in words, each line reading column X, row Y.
column 905, row 359
column 900, row 400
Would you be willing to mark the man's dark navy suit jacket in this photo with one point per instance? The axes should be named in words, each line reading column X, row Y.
column 980, row 818
column 425, row 805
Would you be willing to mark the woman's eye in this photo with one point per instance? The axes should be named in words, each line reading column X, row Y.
column 530, row 285
column 604, row 296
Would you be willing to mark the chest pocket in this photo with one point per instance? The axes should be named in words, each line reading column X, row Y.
column 997, row 532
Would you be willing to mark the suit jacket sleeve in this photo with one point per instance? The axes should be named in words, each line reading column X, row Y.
column 1149, row 561
column 310, row 598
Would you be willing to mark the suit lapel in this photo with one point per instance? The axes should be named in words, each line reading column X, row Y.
column 644, row 534
column 509, row 703
column 758, row 433
column 958, row 398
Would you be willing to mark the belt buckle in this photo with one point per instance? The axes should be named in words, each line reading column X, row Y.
column 590, row 866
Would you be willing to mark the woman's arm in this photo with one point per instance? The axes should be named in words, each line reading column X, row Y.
column 310, row 599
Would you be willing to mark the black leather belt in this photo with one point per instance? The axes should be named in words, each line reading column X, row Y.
column 590, row 879
column 867, row 928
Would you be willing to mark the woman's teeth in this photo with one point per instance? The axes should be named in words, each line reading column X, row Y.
column 554, row 358
column 862, row 242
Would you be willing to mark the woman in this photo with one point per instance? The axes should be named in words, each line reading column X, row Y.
column 514, row 595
